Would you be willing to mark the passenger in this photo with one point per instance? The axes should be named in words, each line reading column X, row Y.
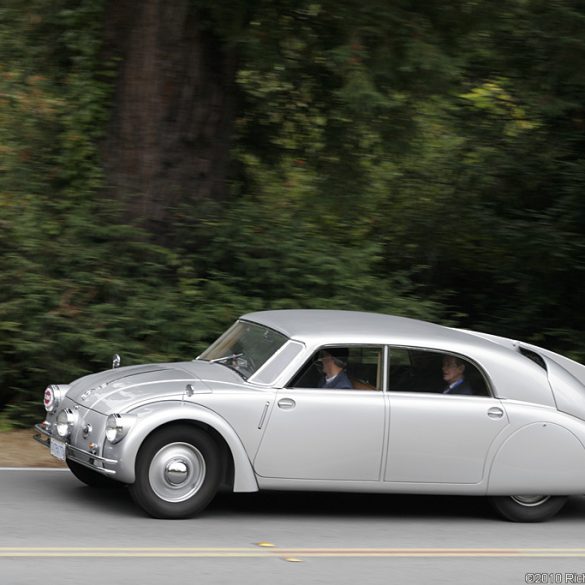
column 453, row 375
column 333, row 361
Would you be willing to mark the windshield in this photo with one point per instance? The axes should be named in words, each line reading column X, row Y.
column 244, row 347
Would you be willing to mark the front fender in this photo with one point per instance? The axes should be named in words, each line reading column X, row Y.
column 151, row 417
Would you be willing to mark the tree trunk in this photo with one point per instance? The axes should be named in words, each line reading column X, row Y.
column 169, row 138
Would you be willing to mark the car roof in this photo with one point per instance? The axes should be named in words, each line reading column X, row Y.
column 512, row 374
column 317, row 326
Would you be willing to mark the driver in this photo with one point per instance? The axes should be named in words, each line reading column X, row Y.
column 333, row 361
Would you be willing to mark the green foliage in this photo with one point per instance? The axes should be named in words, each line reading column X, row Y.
column 273, row 251
column 424, row 159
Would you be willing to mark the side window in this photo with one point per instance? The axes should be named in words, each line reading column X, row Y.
column 342, row 367
column 417, row 370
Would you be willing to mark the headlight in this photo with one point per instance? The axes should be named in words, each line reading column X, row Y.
column 117, row 426
column 66, row 419
column 53, row 396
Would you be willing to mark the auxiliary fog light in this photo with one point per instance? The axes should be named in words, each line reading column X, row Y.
column 66, row 419
column 117, row 426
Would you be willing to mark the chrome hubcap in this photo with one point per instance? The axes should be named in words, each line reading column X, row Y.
column 177, row 472
column 530, row 501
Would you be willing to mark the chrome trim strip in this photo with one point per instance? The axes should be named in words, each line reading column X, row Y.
column 386, row 366
column 91, row 466
column 263, row 415
column 43, row 431
column 91, row 455
column 42, row 441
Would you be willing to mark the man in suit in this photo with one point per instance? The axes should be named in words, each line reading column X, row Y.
column 333, row 361
column 453, row 375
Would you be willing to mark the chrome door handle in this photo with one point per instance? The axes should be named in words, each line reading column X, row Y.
column 495, row 412
column 286, row 403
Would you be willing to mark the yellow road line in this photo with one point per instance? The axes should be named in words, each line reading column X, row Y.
column 125, row 548
column 256, row 552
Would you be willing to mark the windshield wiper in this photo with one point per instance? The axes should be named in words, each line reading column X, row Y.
column 227, row 357
column 233, row 368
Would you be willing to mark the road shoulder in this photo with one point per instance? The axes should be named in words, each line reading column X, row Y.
column 19, row 449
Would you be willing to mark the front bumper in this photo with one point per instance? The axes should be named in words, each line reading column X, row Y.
column 86, row 458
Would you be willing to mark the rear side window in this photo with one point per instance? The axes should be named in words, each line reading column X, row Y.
column 418, row 370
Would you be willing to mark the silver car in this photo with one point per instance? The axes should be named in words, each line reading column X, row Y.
column 331, row 400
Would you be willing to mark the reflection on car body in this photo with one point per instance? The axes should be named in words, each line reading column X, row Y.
column 251, row 412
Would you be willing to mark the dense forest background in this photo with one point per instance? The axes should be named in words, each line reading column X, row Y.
column 168, row 166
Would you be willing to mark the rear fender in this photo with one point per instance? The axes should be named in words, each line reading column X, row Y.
column 539, row 458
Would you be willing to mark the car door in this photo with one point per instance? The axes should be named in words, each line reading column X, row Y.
column 441, row 438
column 323, row 435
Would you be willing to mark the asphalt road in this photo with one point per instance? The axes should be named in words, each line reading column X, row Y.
column 56, row 530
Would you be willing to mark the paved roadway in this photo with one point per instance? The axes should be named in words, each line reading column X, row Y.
column 55, row 530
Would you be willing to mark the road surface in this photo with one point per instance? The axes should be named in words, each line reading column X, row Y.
column 57, row 530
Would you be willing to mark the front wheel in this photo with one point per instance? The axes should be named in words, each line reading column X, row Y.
column 178, row 472
column 90, row 477
column 527, row 508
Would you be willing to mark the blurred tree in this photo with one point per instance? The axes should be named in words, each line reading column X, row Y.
column 165, row 167
column 520, row 171
column 169, row 136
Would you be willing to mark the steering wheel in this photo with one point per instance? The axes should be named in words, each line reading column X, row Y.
column 245, row 365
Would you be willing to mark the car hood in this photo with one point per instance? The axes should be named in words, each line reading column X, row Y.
column 121, row 389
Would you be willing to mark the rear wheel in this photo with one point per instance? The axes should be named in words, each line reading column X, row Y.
column 178, row 471
column 528, row 508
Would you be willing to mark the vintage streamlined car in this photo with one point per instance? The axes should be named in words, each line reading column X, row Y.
column 332, row 400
